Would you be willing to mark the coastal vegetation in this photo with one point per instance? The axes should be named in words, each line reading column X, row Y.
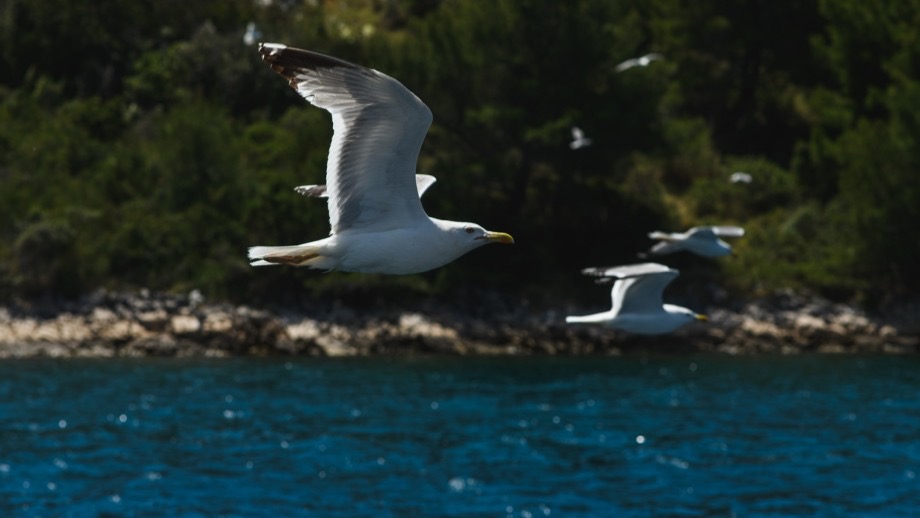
column 145, row 145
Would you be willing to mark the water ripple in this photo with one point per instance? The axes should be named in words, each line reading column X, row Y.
column 522, row 437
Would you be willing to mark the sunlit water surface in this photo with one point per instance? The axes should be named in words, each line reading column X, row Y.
column 522, row 437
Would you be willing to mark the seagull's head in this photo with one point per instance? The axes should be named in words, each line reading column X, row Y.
column 471, row 235
column 685, row 314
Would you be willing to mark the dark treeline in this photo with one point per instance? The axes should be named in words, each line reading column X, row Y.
column 144, row 144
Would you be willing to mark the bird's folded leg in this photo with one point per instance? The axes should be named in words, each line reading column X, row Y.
column 291, row 259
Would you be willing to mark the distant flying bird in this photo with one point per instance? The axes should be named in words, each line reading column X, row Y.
column 422, row 183
column 252, row 34
column 378, row 223
column 740, row 177
column 642, row 61
column 702, row 241
column 638, row 306
column 578, row 139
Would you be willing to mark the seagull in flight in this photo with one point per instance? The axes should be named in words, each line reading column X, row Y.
column 702, row 241
column 252, row 34
column 642, row 61
column 637, row 305
column 578, row 139
column 377, row 221
column 740, row 177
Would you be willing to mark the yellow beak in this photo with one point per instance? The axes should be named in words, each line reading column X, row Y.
column 498, row 237
column 701, row 318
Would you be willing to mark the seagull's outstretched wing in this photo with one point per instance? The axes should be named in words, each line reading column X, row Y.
column 728, row 231
column 624, row 271
column 638, row 287
column 707, row 233
column 641, row 293
column 626, row 65
column 667, row 243
column 311, row 191
column 422, row 183
column 378, row 129
column 740, row 177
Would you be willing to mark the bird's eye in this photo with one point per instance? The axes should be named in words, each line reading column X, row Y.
column 469, row 230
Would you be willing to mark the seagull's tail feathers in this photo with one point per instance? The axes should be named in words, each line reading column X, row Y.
column 308, row 255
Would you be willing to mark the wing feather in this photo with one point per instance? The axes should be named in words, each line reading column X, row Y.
column 642, row 293
column 728, row 231
column 636, row 287
column 624, row 271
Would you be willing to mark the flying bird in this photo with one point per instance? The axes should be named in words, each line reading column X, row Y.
column 642, row 61
column 422, row 183
column 636, row 295
column 740, row 177
column 252, row 34
column 702, row 241
column 578, row 139
column 377, row 221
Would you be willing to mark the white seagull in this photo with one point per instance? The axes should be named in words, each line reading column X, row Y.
column 578, row 139
column 252, row 34
column 422, row 183
column 702, row 241
column 378, row 223
column 637, row 302
column 740, row 177
column 642, row 61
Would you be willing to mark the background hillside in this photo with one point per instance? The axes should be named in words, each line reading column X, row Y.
column 144, row 144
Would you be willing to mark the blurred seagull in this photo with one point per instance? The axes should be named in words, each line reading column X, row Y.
column 642, row 61
column 740, row 177
column 637, row 300
column 702, row 241
column 252, row 34
column 578, row 139
column 422, row 183
column 378, row 223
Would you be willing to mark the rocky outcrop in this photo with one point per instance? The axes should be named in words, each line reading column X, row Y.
column 141, row 324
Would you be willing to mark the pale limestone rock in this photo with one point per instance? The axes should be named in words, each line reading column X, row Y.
column 185, row 324
column 304, row 330
column 218, row 323
column 759, row 328
column 103, row 315
column 805, row 321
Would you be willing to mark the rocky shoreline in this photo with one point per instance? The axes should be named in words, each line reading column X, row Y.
column 142, row 324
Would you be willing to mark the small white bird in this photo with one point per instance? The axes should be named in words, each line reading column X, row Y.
column 578, row 139
column 422, row 183
column 740, row 177
column 642, row 61
column 702, row 241
column 252, row 34
column 638, row 306
column 378, row 223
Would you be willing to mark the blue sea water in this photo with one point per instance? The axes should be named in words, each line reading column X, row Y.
column 701, row 435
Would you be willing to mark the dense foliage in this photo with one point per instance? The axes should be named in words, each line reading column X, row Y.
column 145, row 144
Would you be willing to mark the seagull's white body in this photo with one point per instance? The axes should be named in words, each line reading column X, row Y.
column 578, row 139
column 642, row 61
column 636, row 297
column 252, row 34
column 378, row 223
column 740, row 177
column 703, row 241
